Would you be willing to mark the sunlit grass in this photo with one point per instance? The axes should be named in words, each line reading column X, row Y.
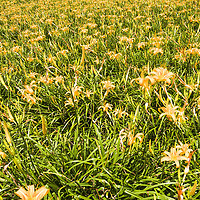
column 96, row 95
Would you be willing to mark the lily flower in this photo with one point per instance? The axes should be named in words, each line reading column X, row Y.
column 184, row 149
column 31, row 194
column 162, row 74
column 145, row 81
column 106, row 107
column 174, row 155
column 170, row 111
column 120, row 113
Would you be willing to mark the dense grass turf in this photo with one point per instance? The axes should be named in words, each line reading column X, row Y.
column 100, row 99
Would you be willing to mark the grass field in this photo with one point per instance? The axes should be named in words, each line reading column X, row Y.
column 100, row 99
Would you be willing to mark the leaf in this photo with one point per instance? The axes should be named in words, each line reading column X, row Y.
column 44, row 125
column 83, row 56
column 8, row 137
column 3, row 83
column 150, row 149
column 192, row 191
column 99, row 142
column 10, row 115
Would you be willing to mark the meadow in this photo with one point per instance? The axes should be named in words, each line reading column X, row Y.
column 99, row 99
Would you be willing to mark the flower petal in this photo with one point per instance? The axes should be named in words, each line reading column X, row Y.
column 41, row 192
column 22, row 193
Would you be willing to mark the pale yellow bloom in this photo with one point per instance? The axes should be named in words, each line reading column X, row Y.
column 155, row 50
column 170, row 111
column 30, row 98
column 58, row 79
column 88, row 93
column 184, row 149
column 28, row 88
column 132, row 138
column 32, row 75
column 31, row 194
column 51, row 59
column 30, row 59
column 162, row 74
column 106, row 107
column 63, row 52
column 120, row 113
column 76, row 91
column 174, row 155
column 145, row 81
column 107, row 85
column 70, row 102
column 141, row 45
column 16, row 49
column 2, row 154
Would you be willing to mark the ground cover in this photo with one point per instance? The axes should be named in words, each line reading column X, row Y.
column 99, row 99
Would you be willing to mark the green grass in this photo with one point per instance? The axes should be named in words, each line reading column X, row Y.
column 64, row 139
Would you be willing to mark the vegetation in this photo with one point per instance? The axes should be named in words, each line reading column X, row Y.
column 100, row 99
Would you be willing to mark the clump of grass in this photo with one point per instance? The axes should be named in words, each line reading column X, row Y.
column 92, row 94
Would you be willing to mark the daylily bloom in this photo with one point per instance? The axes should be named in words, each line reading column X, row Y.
column 2, row 154
column 106, row 107
column 132, row 138
column 130, row 135
column 162, row 74
column 58, row 79
column 88, row 93
column 76, row 91
column 170, row 111
column 120, row 113
column 184, row 149
column 155, row 50
column 174, row 155
column 31, row 194
column 108, row 85
column 70, row 102
column 141, row 45
column 145, row 82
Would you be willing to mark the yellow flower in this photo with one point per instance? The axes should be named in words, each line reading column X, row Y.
column 162, row 74
column 106, row 107
column 30, row 98
column 184, row 149
column 2, row 154
column 28, row 88
column 31, row 194
column 170, row 111
column 155, row 50
column 16, row 49
column 88, row 93
column 32, row 75
column 132, row 138
column 30, row 59
column 108, row 85
column 76, row 91
column 141, row 45
column 46, row 79
column 70, row 102
column 145, row 82
column 130, row 135
column 51, row 59
column 120, row 113
column 174, row 155
column 58, row 79
column 63, row 52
